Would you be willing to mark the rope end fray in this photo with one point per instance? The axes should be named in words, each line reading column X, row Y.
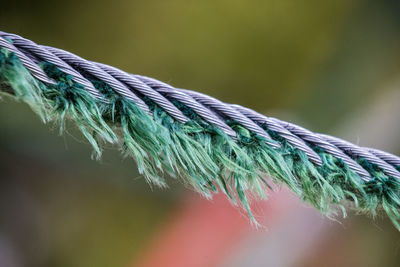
column 211, row 145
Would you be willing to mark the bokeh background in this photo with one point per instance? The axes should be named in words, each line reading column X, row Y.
column 332, row 66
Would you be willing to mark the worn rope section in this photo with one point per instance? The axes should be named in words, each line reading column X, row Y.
column 210, row 144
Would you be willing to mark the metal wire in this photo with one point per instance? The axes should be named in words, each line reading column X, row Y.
column 212, row 110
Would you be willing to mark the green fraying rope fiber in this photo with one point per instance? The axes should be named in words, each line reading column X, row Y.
column 200, row 154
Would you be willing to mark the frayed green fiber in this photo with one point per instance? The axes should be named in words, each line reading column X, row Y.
column 56, row 102
column 25, row 87
column 198, row 153
column 71, row 98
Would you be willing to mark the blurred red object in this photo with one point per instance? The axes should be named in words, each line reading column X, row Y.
column 206, row 232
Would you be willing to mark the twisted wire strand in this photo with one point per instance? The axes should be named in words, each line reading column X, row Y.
column 210, row 109
column 207, row 114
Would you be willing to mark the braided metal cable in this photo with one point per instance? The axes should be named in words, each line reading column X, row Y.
column 213, row 111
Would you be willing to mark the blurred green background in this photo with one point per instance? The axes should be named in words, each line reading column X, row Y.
column 332, row 66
